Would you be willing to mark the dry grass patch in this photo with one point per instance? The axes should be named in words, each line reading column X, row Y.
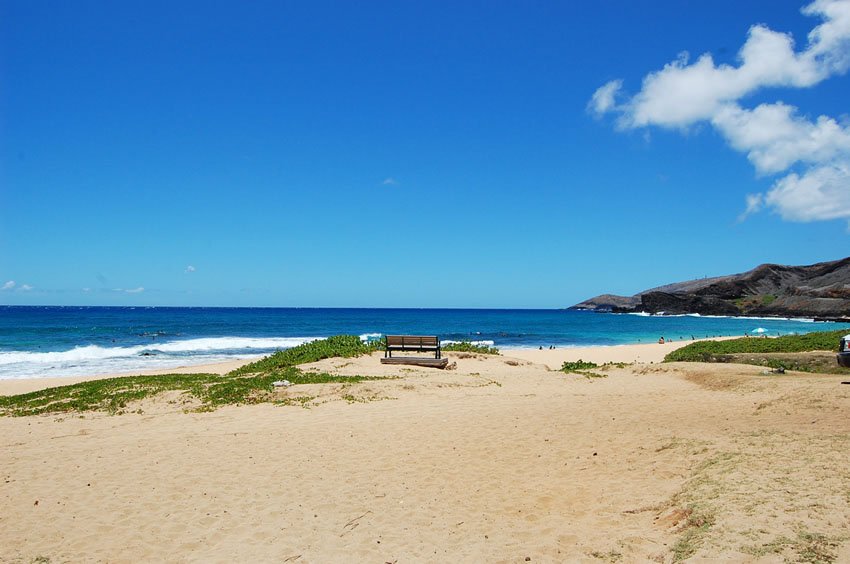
column 765, row 495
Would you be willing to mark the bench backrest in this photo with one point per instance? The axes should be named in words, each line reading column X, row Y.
column 412, row 340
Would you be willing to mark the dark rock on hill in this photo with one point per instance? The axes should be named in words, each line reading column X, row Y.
column 820, row 290
column 607, row 303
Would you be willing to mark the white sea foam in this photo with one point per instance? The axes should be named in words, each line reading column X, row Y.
column 476, row 343
column 93, row 359
column 91, row 352
column 365, row 337
column 763, row 318
column 754, row 317
column 231, row 343
column 94, row 352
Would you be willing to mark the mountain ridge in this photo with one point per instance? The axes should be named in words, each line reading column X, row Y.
column 820, row 290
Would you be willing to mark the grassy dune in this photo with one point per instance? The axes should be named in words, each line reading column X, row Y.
column 251, row 383
column 812, row 352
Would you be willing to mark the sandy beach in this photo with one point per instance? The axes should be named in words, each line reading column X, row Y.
column 501, row 460
column 648, row 353
column 643, row 353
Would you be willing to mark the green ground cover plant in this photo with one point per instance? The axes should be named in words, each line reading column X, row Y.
column 578, row 365
column 583, row 368
column 340, row 346
column 466, row 346
column 710, row 351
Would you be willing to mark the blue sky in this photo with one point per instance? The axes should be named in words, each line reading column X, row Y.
column 422, row 154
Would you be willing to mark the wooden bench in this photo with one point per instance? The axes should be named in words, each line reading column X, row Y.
column 412, row 343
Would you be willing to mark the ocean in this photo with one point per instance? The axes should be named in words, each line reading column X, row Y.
column 73, row 341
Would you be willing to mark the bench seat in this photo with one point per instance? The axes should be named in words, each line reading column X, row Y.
column 412, row 343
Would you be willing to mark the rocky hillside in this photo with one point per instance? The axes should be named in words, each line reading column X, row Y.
column 819, row 290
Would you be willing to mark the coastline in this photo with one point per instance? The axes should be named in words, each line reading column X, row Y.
column 62, row 342
column 644, row 353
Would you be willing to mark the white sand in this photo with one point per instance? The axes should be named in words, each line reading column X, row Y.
column 499, row 460
column 645, row 353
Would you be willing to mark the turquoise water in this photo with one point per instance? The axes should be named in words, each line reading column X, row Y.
column 66, row 341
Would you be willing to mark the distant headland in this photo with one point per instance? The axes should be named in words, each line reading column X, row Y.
column 820, row 291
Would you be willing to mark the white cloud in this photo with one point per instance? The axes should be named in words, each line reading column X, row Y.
column 820, row 193
column 86, row 290
column 390, row 181
column 755, row 202
column 829, row 40
column 189, row 269
column 681, row 93
column 138, row 290
column 12, row 285
column 773, row 136
column 604, row 99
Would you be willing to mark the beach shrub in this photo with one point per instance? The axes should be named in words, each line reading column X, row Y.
column 712, row 351
column 340, row 346
column 467, row 346
column 819, row 362
column 578, row 365
column 583, row 368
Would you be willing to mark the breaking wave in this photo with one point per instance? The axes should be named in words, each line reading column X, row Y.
column 367, row 337
column 93, row 359
column 755, row 317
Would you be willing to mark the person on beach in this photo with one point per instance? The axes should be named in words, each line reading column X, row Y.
column 661, row 341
